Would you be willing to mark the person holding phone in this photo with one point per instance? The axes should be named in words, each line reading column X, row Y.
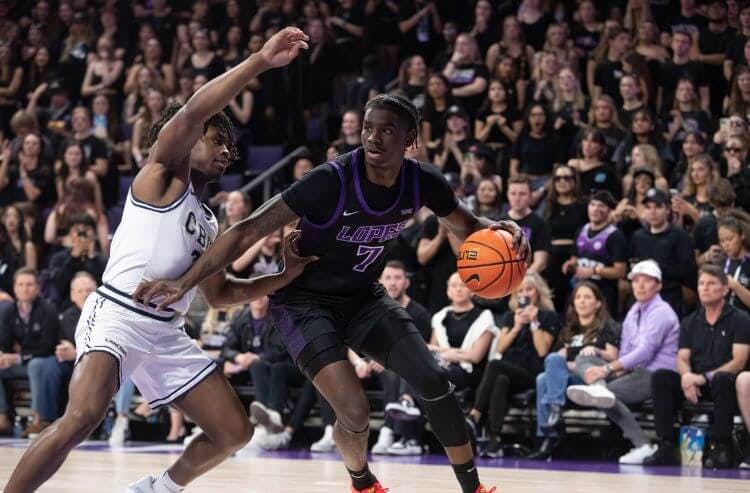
column 82, row 256
column 527, row 332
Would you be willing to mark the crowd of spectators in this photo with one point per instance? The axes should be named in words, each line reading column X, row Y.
column 615, row 133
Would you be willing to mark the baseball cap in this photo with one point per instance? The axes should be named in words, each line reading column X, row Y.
column 605, row 197
column 644, row 170
column 657, row 196
column 456, row 110
column 646, row 267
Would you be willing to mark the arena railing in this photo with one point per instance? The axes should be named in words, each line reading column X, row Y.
column 265, row 179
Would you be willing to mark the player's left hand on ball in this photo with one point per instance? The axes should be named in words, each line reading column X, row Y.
column 284, row 46
column 294, row 263
column 520, row 241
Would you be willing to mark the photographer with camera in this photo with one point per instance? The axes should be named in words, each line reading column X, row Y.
column 81, row 256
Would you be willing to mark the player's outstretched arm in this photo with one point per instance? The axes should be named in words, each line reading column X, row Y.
column 269, row 217
column 180, row 134
column 462, row 222
column 221, row 290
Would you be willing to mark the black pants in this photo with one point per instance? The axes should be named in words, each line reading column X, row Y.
column 271, row 381
column 500, row 381
column 668, row 398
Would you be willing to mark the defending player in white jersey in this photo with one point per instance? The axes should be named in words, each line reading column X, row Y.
column 164, row 229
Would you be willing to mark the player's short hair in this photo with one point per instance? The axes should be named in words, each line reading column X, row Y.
column 220, row 121
column 399, row 105
column 396, row 264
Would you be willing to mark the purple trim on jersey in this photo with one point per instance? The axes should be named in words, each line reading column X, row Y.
column 339, row 206
column 417, row 204
column 596, row 246
column 292, row 336
column 361, row 197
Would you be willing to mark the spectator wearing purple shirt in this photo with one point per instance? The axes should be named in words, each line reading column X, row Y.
column 648, row 343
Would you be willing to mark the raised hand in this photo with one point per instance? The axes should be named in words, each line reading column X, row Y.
column 284, row 46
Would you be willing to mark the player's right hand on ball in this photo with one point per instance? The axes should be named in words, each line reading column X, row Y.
column 293, row 262
column 162, row 291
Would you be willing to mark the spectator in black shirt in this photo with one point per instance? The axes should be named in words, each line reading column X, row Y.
column 713, row 42
column 681, row 67
column 593, row 172
column 28, row 336
column 527, row 332
column 688, row 20
column 437, row 100
column 705, row 232
column 82, row 285
column 608, row 70
column 686, row 116
column 735, row 154
column 735, row 54
column 534, row 227
column 498, row 122
column 737, row 102
column 421, row 27
column 436, row 253
column 599, row 252
column 97, row 155
column 734, row 238
column 566, row 214
column 713, row 348
column 467, row 75
column 27, row 178
column 668, row 245
column 537, row 149
column 346, row 26
column 643, row 130
column 457, row 140
column 81, row 256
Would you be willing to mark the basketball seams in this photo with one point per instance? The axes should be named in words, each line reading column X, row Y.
column 502, row 263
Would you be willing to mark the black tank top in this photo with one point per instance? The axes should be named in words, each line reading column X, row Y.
column 353, row 243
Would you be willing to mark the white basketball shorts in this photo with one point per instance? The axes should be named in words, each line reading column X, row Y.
column 158, row 355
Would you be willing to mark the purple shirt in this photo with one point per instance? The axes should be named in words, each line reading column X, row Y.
column 650, row 334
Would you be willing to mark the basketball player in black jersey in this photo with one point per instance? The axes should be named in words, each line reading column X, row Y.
column 349, row 210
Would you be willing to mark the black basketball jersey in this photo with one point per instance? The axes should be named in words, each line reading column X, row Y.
column 352, row 244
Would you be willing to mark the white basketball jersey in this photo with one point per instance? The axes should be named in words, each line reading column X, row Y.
column 158, row 243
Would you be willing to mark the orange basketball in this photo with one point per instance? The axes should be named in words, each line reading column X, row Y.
column 488, row 264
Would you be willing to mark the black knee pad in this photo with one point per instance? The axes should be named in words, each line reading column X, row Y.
column 447, row 419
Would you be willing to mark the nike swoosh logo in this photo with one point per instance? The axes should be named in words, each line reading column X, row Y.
column 347, row 213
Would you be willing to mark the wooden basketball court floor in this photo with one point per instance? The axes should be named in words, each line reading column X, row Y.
column 96, row 468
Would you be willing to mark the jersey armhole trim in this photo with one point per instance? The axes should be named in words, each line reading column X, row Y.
column 339, row 205
column 144, row 205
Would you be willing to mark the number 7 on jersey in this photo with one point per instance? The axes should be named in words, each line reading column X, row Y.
column 370, row 253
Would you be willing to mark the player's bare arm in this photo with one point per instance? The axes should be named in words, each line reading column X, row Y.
column 169, row 157
column 271, row 216
column 222, row 290
column 462, row 222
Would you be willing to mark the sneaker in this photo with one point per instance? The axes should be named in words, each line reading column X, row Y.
column 326, row 443
column 276, row 441
column 667, row 454
column 637, row 455
column 266, row 417
column 494, row 449
column 144, row 485
column 745, row 464
column 405, row 447
column 385, row 440
column 591, row 396
column 376, row 488
column 405, row 410
column 483, row 489
column 719, row 456
column 545, row 450
column 193, row 435
column 119, row 431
